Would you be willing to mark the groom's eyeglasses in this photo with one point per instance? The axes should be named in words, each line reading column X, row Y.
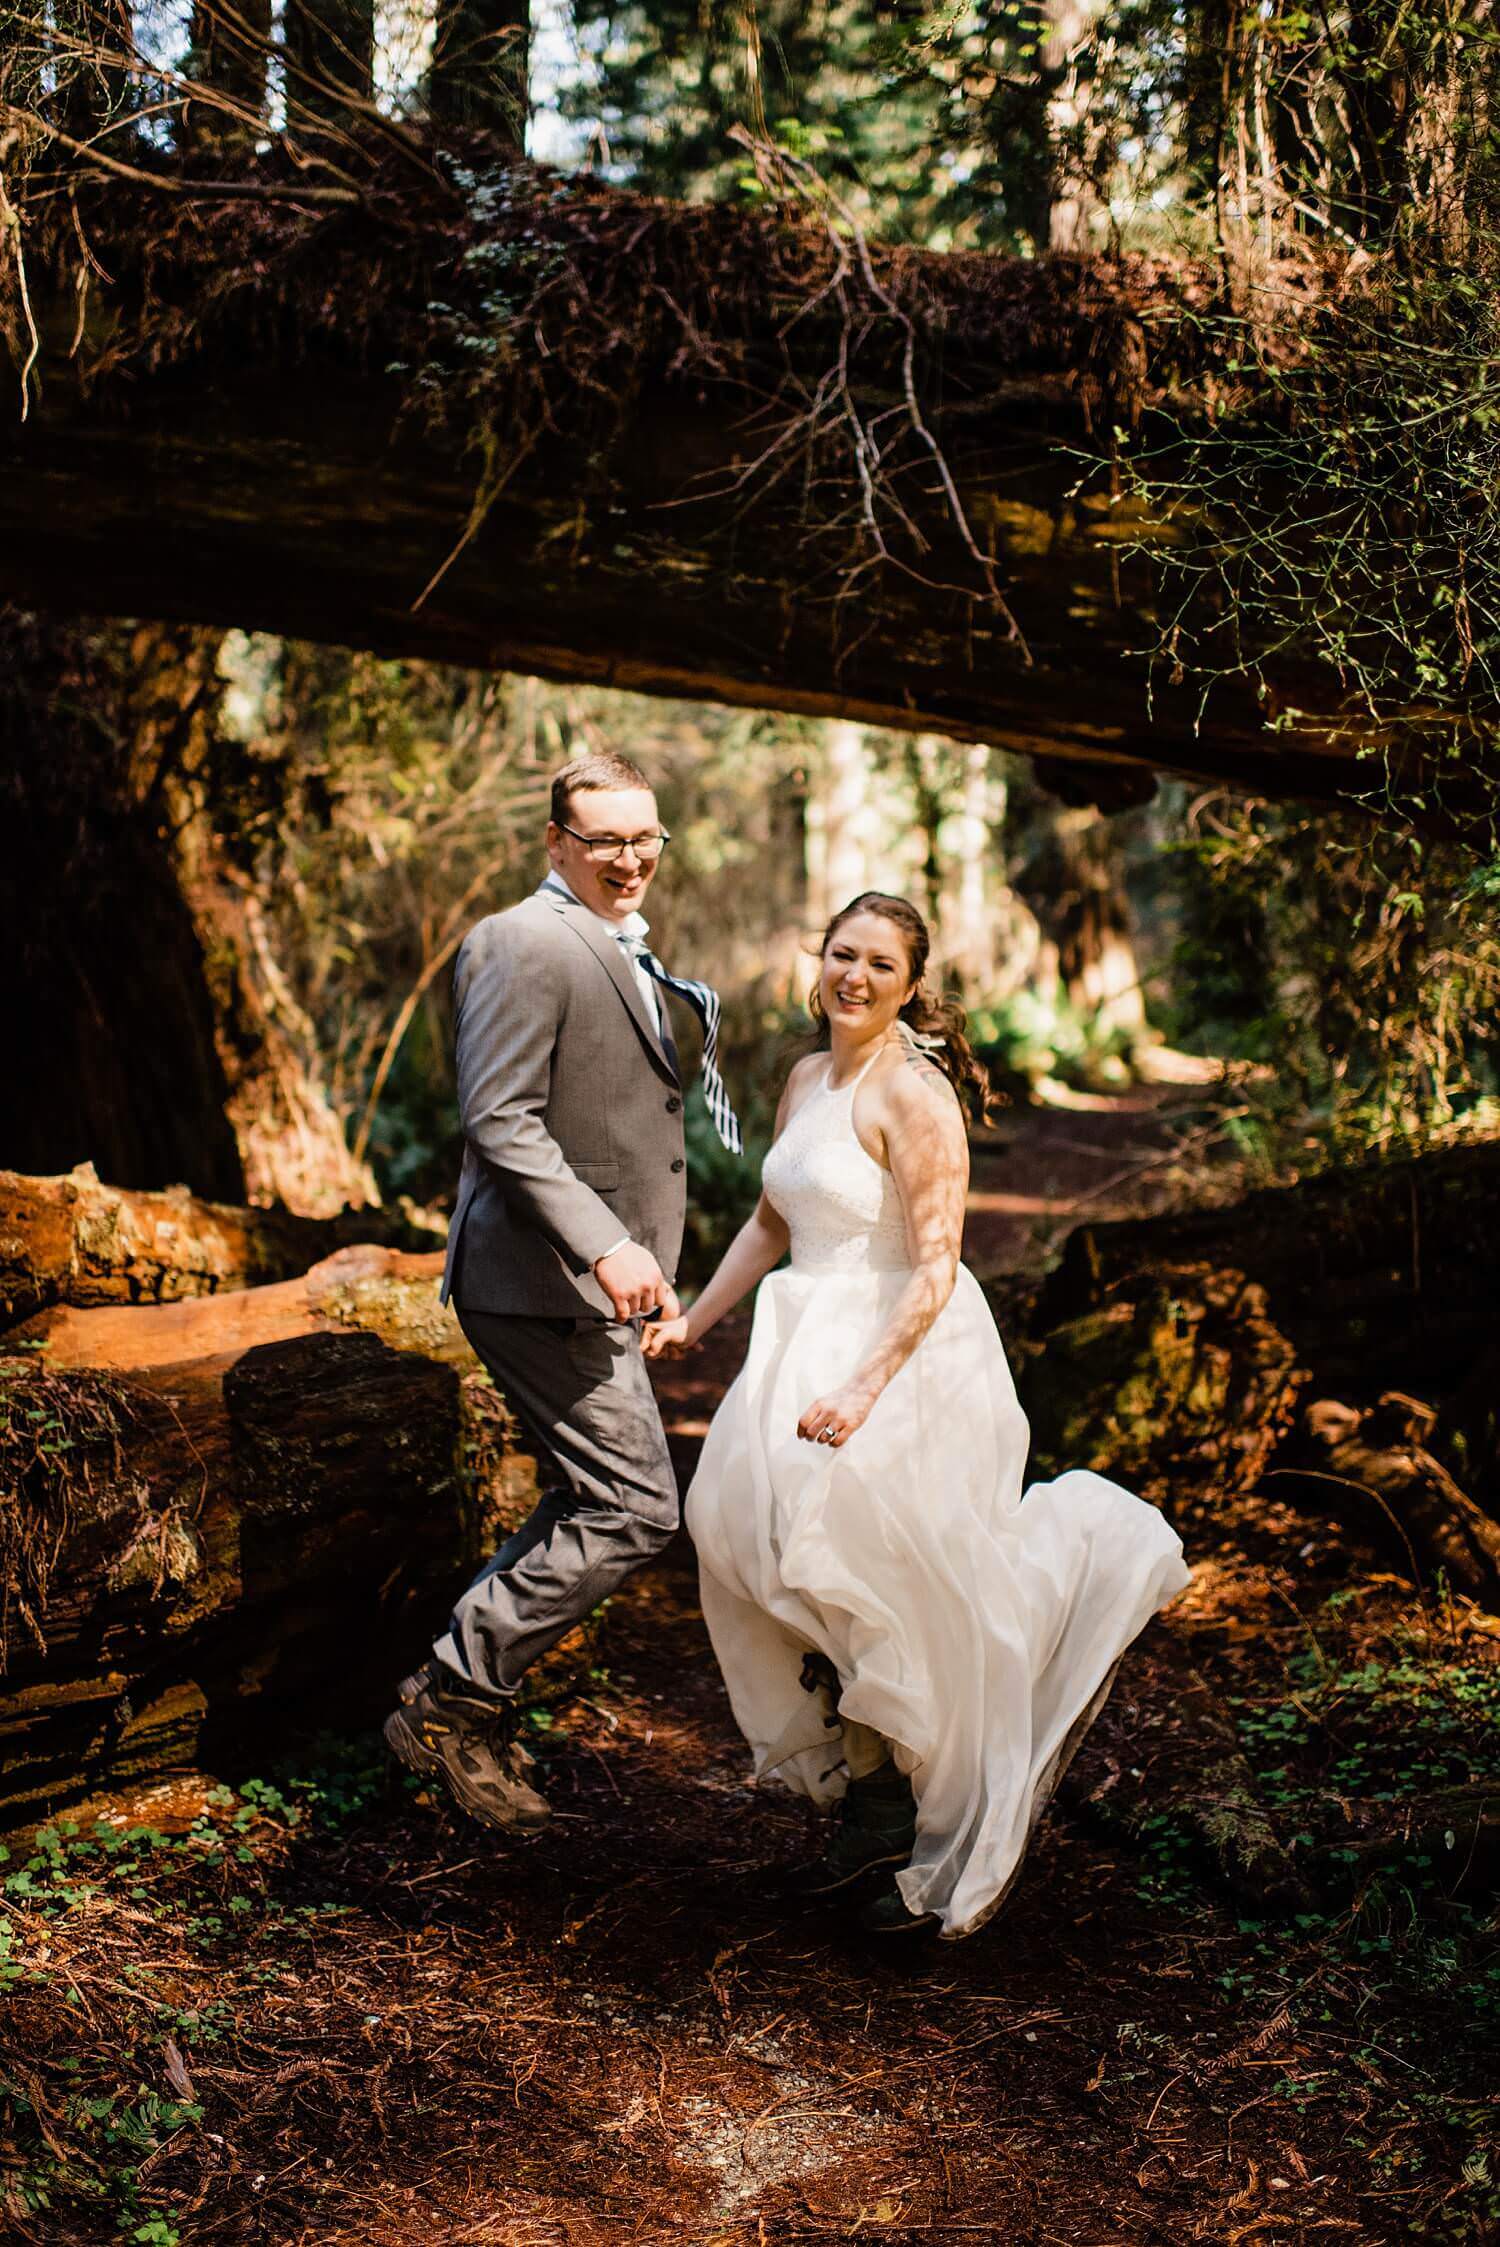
column 605, row 849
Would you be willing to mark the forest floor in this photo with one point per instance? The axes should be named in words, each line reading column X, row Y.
column 324, row 2008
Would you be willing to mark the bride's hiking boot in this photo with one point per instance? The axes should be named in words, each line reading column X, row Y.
column 439, row 1731
column 875, row 1824
column 885, row 1911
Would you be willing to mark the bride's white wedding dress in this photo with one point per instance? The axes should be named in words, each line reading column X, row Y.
column 975, row 1628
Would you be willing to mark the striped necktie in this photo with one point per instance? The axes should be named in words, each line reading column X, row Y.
column 704, row 1001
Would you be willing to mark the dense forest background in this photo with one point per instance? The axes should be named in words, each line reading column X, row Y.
column 1038, row 456
column 334, row 821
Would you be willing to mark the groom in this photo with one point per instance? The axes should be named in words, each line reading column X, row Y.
column 569, row 1219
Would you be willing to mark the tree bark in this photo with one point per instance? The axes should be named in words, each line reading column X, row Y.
column 229, row 46
column 154, row 1038
column 1177, row 1354
column 72, row 1240
column 330, row 59
column 664, row 508
column 105, row 1018
column 1072, row 883
column 250, row 1516
column 480, row 60
column 1374, row 1469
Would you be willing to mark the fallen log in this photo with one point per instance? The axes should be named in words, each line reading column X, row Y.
column 1177, row 1353
column 1383, row 1276
column 1374, row 1470
column 232, row 1517
column 1176, row 1382
column 550, row 427
column 73, row 1239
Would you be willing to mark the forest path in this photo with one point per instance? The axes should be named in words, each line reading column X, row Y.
column 609, row 2033
column 622, row 2038
column 1045, row 1166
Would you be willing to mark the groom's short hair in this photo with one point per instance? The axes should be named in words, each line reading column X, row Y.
column 580, row 775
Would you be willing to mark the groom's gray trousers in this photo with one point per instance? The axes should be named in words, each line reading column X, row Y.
column 609, row 1495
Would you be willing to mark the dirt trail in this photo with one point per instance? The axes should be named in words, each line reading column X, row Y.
column 1043, row 1168
column 610, row 2033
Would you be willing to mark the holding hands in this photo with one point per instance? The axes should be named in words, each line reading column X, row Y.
column 632, row 1279
column 666, row 1337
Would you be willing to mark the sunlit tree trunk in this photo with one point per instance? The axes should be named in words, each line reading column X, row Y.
column 1073, row 200
column 1072, row 879
column 926, row 778
column 839, row 822
column 979, row 917
column 142, row 1024
column 292, row 1146
column 1090, row 924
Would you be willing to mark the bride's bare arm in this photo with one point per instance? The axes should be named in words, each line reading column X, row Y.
column 757, row 1248
column 928, row 1150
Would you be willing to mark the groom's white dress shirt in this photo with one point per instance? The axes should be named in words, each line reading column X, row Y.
column 633, row 929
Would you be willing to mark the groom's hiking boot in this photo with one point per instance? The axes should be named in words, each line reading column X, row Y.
column 441, row 1732
column 875, row 1824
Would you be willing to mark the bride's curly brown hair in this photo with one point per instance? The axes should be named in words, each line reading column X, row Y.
column 927, row 1014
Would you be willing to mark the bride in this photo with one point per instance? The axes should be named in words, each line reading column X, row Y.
column 903, row 1635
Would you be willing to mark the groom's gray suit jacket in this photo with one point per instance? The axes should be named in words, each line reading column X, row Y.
column 572, row 1114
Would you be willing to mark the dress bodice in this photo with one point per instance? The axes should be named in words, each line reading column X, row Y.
column 842, row 1209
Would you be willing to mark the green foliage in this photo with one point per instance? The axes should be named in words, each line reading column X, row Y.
column 1334, row 506
column 1353, row 975
column 884, row 106
column 1039, row 1034
column 87, row 2124
column 1403, row 1720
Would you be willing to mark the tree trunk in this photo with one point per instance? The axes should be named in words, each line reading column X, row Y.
column 1072, row 881
column 104, row 1012
column 841, row 817
column 154, row 1037
column 1374, row 1469
column 1073, row 200
column 259, row 463
column 330, row 59
column 249, row 1515
column 229, row 49
column 480, row 68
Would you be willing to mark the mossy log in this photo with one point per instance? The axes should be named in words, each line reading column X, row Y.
column 1177, row 1382
column 73, row 1239
column 545, row 426
column 1178, row 1354
column 228, row 1518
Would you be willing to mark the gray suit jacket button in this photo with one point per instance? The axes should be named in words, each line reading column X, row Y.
column 678, row 1163
column 673, row 1105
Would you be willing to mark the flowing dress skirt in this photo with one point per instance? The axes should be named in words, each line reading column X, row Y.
column 974, row 1627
